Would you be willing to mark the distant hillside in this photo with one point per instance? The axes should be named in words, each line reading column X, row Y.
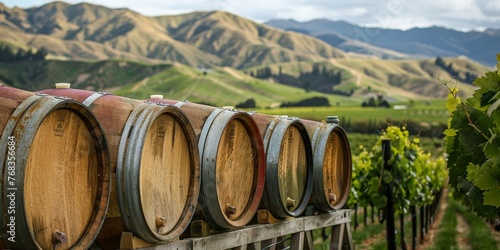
column 398, row 80
column 90, row 32
column 358, row 77
column 102, row 75
column 416, row 42
column 219, row 86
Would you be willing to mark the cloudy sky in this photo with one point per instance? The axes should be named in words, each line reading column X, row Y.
column 399, row 14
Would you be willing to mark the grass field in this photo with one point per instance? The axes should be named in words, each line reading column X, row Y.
column 357, row 113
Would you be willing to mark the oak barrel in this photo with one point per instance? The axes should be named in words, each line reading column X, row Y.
column 56, row 172
column 332, row 165
column 289, row 172
column 232, row 165
column 156, row 166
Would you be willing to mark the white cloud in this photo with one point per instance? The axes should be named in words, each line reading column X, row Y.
column 358, row 11
column 489, row 7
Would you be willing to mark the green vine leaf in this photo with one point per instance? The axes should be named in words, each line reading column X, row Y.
column 473, row 146
column 492, row 197
column 493, row 107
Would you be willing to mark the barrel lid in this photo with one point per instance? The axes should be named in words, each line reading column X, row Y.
column 281, row 116
column 63, row 85
column 333, row 119
column 156, row 97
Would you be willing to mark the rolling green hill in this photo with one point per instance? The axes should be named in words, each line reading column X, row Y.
column 220, row 86
column 102, row 75
column 398, row 81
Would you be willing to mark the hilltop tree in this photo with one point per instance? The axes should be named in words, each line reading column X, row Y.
column 9, row 54
column 249, row 103
column 378, row 102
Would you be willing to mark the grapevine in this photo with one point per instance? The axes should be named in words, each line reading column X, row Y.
column 415, row 175
column 473, row 145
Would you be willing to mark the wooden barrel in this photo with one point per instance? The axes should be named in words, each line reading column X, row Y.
column 56, row 172
column 232, row 165
column 155, row 162
column 332, row 165
column 289, row 172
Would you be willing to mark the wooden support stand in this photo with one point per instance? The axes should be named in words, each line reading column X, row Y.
column 201, row 228
column 264, row 216
column 129, row 241
column 296, row 232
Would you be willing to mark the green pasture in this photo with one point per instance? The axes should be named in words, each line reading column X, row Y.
column 426, row 113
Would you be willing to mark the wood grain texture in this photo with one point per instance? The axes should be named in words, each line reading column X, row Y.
column 196, row 113
column 292, row 168
column 62, row 170
column 61, row 179
column 10, row 98
column 235, row 169
column 334, row 168
column 112, row 112
column 165, row 172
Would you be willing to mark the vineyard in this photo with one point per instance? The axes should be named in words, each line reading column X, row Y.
column 401, row 190
column 396, row 178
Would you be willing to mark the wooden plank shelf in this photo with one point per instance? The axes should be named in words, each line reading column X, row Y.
column 260, row 236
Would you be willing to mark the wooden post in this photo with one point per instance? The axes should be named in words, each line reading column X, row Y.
column 341, row 237
column 297, row 242
column 270, row 244
column 413, row 211
column 389, row 210
column 422, row 223
column 254, row 246
column 355, row 216
column 372, row 212
column 365, row 214
column 427, row 217
column 402, row 231
column 308, row 241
